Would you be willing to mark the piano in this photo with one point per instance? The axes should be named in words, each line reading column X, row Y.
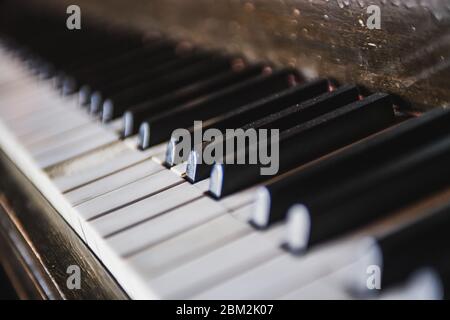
column 99, row 201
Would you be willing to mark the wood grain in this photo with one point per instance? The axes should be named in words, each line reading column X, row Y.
column 409, row 56
column 38, row 245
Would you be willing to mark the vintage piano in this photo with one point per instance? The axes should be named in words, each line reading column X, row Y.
column 94, row 203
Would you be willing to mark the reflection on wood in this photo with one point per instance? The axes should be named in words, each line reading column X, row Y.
column 408, row 56
column 37, row 245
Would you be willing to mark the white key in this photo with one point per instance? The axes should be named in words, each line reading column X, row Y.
column 116, row 125
column 34, row 123
column 187, row 246
column 56, row 128
column 22, row 125
column 164, row 227
column 211, row 269
column 282, row 274
column 179, row 169
column 160, row 157
column 238, row 199
column 145, row 209
column 113, row 181
column 203, row 185
column 64, row 139
column 66, row 152
column 318, row 290
column 130, row 193
column 244, row 213
column 97, row 164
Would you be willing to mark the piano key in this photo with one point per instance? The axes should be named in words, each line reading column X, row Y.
column 371, row 195
column 98, row 164
column 69, row 81
column 152, row 58
column 248, row 113
column 114, row 106
column 25, row 123
column 145, row 210
column 159, row 128
column 130, row 193
column 425, row 284
column 136, row 115
column 274, row 200
column 66, row 152
column 64, row 139
column 170, row 254
column 26, row 104
column 231, row 259
column 317, row 138
column 180, row 169
column 112, row 182
column 282, row 120
column 166, row 226
column 102, row 92
column 441, row 272
column 318, row 290
column 280, row 274
column 75, row 122
column 417, row 245
column 237, row 200
column 155, row 51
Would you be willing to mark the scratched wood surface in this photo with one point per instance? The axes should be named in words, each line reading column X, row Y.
column 409, row 56
column 37, row 246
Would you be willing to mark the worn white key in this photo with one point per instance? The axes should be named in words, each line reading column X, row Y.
column 164, row 227
column 215, row 267
column 282, row 274
column 49, row 118
column 318, row 290
column 23, row 105
column 113, row 181
column 72, row 123
column 244, row 213
column 66, row 152
column 238, row 200
column 160, row 157
column 28, row 123
column 203, row 185
column 202, row 239
column 130, row 193
column 179, row 169
column 97, row 164
column 116, row 125
column 64, row 139
column 145, row 209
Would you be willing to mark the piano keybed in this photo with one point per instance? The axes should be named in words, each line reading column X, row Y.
column 89, row 115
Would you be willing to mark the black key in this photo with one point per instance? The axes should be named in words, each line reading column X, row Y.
column 153, row 58
column 441, row 271
column 67, row 77
column 116, row 105
column 309, row 141
column 418, row 245
column 158, row 129
column 354, row 203
column 364, row 156
column 89, row 73
column 136, row 115
column 286, row 118
column 146, row 75
column 246, row 114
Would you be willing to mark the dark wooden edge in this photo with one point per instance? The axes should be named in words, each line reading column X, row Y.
column 37, row 245
column 408, row 57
